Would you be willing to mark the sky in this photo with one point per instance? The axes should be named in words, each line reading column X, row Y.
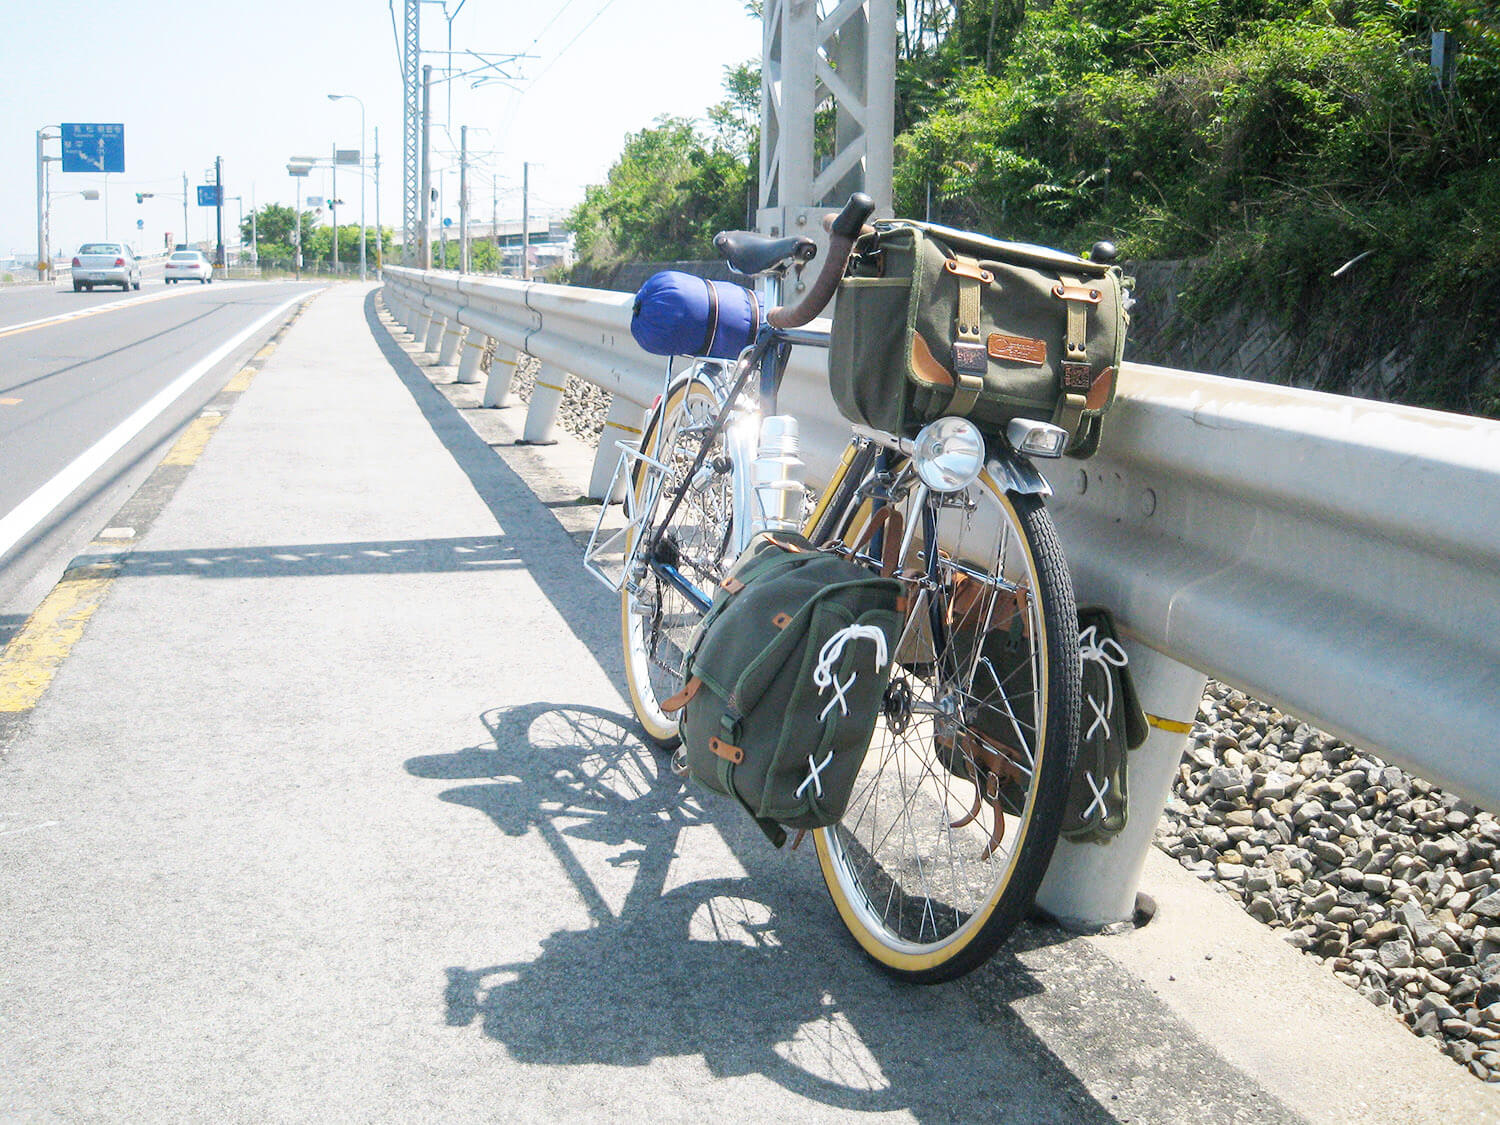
column 248, row 82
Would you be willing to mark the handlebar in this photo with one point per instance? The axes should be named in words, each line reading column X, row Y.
column 844, row 229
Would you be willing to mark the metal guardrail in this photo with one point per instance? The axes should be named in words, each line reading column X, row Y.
column 1336, row 557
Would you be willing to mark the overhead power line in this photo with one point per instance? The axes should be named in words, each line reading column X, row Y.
column 595, row 19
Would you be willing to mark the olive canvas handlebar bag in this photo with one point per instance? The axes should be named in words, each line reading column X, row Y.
column 932, row 321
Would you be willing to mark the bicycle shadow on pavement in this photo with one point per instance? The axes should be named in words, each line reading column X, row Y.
column 732, row 954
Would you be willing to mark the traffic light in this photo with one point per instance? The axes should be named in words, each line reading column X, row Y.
column 140, row 197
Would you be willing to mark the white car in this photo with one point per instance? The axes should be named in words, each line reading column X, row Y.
column 187, row 265
column 105, row 263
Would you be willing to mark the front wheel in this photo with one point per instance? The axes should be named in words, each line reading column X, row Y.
column 959, row 801
column 657, row 617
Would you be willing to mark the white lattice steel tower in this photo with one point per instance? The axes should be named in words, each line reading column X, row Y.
column 411, row 133
column 821, row 55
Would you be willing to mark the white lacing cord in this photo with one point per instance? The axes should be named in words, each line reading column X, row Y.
column 824, row 678
column 828, row 656
column 812, row 774
column 1106, row 653
column 1098, row 801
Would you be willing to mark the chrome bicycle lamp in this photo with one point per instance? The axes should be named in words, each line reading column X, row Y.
column 1036, row 439
column 949, row 454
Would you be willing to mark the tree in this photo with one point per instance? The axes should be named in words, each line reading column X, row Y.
column 277, row 223
column 666, row 196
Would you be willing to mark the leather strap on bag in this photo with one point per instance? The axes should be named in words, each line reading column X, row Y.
column 680, row 700
column 889, row 517
column 1077, row 374
column 970, row 359
column 713, row 319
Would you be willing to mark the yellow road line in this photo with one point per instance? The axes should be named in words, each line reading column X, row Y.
column 35, row 653
column 189, row 447
column 241, row 381
column 10, row 402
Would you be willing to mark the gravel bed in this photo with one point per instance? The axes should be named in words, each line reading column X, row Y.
column 1388, row 880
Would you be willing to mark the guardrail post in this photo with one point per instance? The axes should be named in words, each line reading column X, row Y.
column 453, row 335
column 468, row 367
column 396, row 306
column 405, row 313
column 421, row 323
column 623, row 423
column 434, row 332
column 1088, row 885
column 502, row 374
column 546, row 397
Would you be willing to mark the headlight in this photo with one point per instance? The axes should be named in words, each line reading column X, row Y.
column 949, row 454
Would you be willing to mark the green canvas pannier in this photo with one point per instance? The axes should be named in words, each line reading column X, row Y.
column 785, row 681
column 933, row 321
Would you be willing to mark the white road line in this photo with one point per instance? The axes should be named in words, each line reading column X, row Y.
column 35, row 508
column 60, row 318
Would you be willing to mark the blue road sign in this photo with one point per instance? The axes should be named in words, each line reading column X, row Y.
column 93, row 148
column 208, row 195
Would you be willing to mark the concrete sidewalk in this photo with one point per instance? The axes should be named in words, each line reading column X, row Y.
column 335, row 812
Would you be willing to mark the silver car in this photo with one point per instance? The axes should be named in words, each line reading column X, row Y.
column 105, row 263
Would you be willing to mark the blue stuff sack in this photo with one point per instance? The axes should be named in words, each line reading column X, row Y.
column 683, row 314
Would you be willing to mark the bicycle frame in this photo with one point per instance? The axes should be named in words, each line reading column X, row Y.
column 738, row 420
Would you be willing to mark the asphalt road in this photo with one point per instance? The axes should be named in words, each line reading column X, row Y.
column 75, row 368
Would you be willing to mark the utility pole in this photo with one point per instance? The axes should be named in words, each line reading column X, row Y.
column 424, row 259
column 379, row 238
column 43, row 204
column 525, row 221
column 219, row 207
column 187, row 239
column 333, row 213
column 463, row 199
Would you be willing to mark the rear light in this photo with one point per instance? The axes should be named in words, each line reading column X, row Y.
column 76, row 262
column 119, row 261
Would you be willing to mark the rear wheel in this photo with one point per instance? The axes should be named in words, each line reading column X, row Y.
column 658, row 618
column 958, row 804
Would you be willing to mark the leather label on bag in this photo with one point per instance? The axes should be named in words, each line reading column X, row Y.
column 1018, row 349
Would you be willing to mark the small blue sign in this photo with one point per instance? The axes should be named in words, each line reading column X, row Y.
column 447, row 222
column 93, row 148
column 208, row 195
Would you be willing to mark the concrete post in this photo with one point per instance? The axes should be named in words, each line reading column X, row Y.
column 1089, row 886
column 453, row 335
column 395, row 304
column 434, row 332
column 502, row 374
column 546, row 397
column 422, row 324
column 468, row 367
column 624, row 423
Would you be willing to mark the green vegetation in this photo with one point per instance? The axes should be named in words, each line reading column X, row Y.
column 1273, row 141
column 276, row 227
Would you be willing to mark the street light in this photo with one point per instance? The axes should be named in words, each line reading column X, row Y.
column 352, row 97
